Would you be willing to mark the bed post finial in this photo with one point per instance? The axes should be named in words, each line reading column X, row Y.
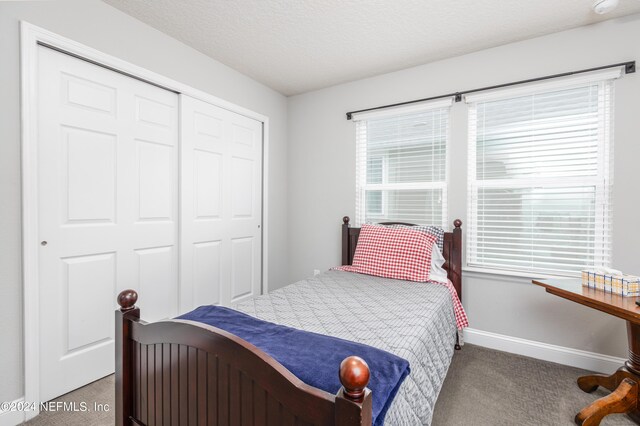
column 354, row 376
column 346, row 220
column 457, row 223
column 127, row 300
column 353, row 400
column 125, row 317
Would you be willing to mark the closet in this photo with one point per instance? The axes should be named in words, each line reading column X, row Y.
column 138, row 187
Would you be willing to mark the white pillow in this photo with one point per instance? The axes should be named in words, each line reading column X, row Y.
column 437, row 272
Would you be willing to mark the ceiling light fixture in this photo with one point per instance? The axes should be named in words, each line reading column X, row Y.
column 604, row 6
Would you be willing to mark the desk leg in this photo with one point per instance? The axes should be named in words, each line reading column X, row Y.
column 633, row 337
column 624, row 385
column 591, row 382
column 621, row 400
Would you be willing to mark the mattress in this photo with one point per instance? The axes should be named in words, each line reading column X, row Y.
column 412, row 320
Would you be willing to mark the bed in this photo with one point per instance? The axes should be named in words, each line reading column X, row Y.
column 180, row 372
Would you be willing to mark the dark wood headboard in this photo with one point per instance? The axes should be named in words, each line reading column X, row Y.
column 452, row 249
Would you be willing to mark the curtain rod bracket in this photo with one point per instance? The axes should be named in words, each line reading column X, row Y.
column 458, row 97
column 630, row 67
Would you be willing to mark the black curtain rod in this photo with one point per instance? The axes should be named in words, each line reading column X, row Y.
column 629, row 67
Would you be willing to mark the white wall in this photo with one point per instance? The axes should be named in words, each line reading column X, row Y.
column 105, row 28
column 322, row 176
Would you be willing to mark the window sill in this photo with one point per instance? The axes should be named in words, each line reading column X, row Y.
column 473, row 271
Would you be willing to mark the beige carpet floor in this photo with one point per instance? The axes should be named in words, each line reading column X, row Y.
column 101, row 392
column 487, row 387
column 483, row 388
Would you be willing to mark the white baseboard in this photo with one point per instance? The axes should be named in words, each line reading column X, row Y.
column 12, row 418
column 574, row 357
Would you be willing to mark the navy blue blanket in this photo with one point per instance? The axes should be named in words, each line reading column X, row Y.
column 297, row 350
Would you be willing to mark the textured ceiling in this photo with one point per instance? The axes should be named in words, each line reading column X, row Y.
column 295, row 46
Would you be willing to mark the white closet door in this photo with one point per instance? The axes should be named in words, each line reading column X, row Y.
column 108, row 213
column 221, row 205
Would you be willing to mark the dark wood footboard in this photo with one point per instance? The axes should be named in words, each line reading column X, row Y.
column 186, row 373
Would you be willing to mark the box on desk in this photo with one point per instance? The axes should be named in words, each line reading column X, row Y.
column 625, row 285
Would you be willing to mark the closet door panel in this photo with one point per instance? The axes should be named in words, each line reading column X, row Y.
column 243, row 193
column 242, row 267
column 107, row 211
column 157, row 280
column 221, row 205
column 89, row 170
column 155, row 181
column 208, row 184
column 203, row 237
column 207, row 272
column 246, row 207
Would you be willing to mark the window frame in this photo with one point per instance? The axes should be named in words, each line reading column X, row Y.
column 361, row 163
column 602, row 181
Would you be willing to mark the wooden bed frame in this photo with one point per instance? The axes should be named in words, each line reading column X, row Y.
column 451, row 250
column 181, row 372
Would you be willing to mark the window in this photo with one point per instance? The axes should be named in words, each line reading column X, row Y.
column 401, row 164
column 540, row 176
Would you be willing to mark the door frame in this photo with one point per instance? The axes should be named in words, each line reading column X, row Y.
column 31, row 37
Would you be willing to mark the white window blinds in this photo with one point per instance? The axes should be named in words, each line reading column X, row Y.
column 401, row 164
column 540, row 176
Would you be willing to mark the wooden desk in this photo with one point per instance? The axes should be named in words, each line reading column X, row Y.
column 624, row 384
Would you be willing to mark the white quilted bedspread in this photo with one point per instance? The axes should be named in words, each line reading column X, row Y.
column 412, row 320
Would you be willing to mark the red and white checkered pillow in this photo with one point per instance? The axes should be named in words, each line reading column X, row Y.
column 397, row 253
